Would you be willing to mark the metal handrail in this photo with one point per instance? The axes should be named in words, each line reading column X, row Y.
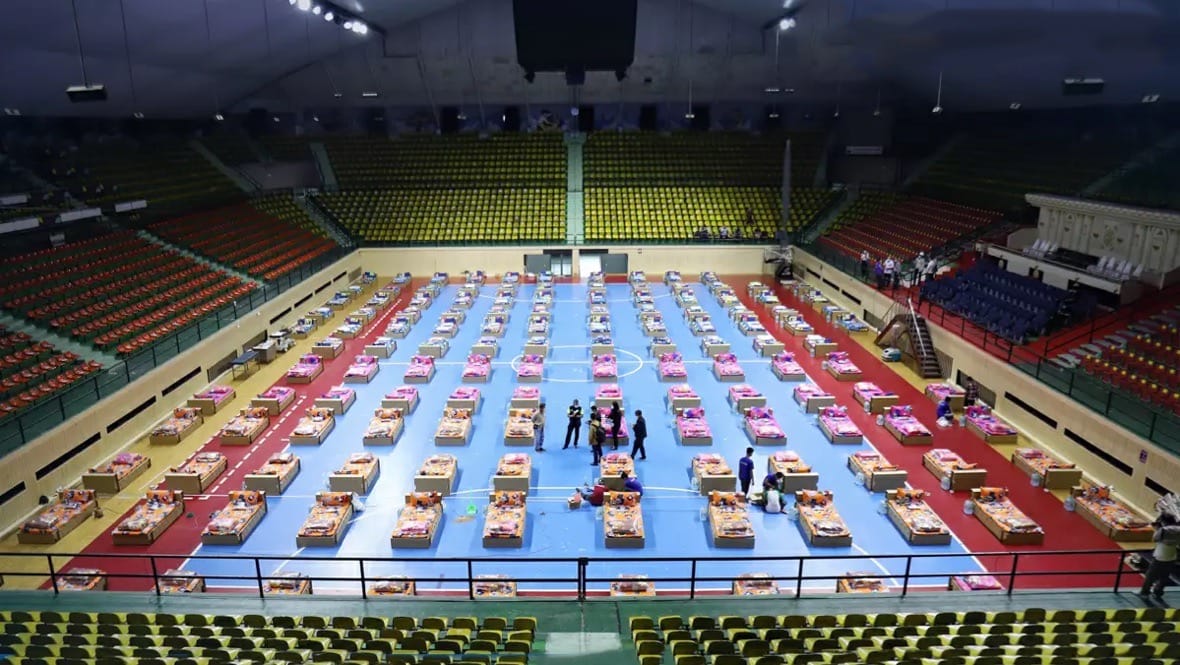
column 582, row 578
column 917, row 331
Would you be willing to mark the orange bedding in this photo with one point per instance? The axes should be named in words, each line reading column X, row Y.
column 328, row 515
column 70, row 505
column 157, row 506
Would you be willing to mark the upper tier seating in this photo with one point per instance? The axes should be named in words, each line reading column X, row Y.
column 1151, row 184
column 267, row 238
column 649, row 187
column 901, row 226
column 31, row 371
column 448, row 216
column 1127, row 636
column 41, row 203
column 464, row 160
column 676, row 214
column 118, row 291
column 50, row 638
column 629, row 159
column 170, row 175
column 1009, row 305
column 996, row 168
column 233, row 149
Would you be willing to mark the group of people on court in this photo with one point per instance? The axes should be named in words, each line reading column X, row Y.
column 598, row 435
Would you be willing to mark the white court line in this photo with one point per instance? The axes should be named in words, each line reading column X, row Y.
column 184, row 564
column 288, row 560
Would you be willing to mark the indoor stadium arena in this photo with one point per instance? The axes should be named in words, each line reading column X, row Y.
column 655, row 332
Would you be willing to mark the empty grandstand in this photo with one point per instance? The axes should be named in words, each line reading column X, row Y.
column 889, row 224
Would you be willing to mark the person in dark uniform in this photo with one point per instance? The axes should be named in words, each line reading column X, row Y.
column 597, row 436
column 574, row 428
column 639, row 431
column 616, row 423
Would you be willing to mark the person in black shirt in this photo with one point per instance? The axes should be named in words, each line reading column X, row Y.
column 574, row 428
column 639, row 431
column 616, row 423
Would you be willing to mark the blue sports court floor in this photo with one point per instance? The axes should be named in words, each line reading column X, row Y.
column 672, row 509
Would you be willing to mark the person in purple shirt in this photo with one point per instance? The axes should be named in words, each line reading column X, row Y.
column 631, row 484
column 746, row 470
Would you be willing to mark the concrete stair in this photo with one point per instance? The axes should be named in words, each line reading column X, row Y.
column 325, row 221
column 824, row 221
column 575, row 207
column 323, row 164
column 199, row 258
column 61, row 342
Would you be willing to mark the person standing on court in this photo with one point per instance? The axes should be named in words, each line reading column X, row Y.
column 746, row 470
column 539, row 428
column 597, row 436
column 639, row 431
column 616, row 423
column 574, row 428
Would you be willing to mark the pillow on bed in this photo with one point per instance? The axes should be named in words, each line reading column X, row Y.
column 812, row 497
column 41, row 522
column 992, row 494
column 755, row 412
column 208, row 458
column 907, row 495
column 693, row 412
column 334, row 498
column 248, row 497
column 159, row 496
column 1098, row 492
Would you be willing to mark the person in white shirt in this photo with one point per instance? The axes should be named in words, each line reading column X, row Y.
column 865, row 259
column 1163, row 557
column 931, row 268
column 890, row 271
column 919, row 267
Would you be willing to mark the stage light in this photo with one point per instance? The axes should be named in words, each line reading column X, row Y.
column 1014, row 106
column 276, row 118
column 368, row 95
column 218, row 117
column 303, row 5
column 574, row 111
column 936, row 110
column 689, row 116
column 11, row 112
column 1150, row 99
column 315, row 118
column 338, row 95
column 772, row 90
column 138, row 115
column 786, row 24
column 317, row 10
column 291, row 2
column 360, row 28
column 348, row 25
column 329, row 15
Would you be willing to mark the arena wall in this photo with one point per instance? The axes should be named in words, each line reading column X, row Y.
column 1109, row 453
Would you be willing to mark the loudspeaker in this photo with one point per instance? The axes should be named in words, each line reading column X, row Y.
column 648, row 118
column 700, row 121
column 511, row 118
column 586, row 119
column 449, row 120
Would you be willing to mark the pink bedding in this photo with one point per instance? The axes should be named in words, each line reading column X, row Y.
column 901, row 418
column 981, row 417
column 526, row 392
column 307, row 366
column 362, row 366
column 806, row 391
column 408, row 393
column 605, row 366
column 340, row 393
column 838, row 361
column 216, row 393
column 743, row 391
column 726, row 364
column 420, row 366
column 531, row 364
column 868, row 390
column 478, row 365
column 277, row 392
column 785, row 363
column 465, row 392
column 608, row 391
column 682, row 391
column 836, row 419
column 762, row 422
column 692, row 424
column 672, row 365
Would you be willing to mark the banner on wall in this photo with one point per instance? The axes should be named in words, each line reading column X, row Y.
column 14, row 199
column 75, row 215
column 128, row 206
column 23, row 224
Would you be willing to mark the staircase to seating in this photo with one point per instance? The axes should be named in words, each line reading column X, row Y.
column 238, row 178
column 906, row 330
column 323, row 165
column 575, row 201
column 325, row 220
column 60, row 342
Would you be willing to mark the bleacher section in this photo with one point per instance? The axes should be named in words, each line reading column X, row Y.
column 31, row 371
column 118, row 292
column 664, row 187
column 452, row 189
column 1127, row 636
column 1011, row 306
column 442, row 216
column 267, row 238
column 886, row 223
column 69, row 638
column 663, row 214
column 1141, row 361
column 996, row 168
column 41, row 203
column 445, row 162
column 1152, row 184
column 170, row 175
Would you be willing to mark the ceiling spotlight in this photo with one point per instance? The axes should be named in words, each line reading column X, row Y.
column 689, row 116
column 1014, row 106
column 218, row 117
column 876, row 113
column 772, row 90
column 1150, row 99
column 461, row 116
column 329, row 15
column 360, row 28
column 12, row 112
column 338, row 95
column 315, row 118
column 368, row 95
column 292, row 2
column 348, row 25
column 936, row 110
column 836, row 114
column 138, row 115
column 317, row 10
column 574, row 111
column 303, row 5
column 773, row 115
column 786, row 24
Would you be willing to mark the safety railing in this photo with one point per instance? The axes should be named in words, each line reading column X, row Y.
column 27, row 424
column 587, row 577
